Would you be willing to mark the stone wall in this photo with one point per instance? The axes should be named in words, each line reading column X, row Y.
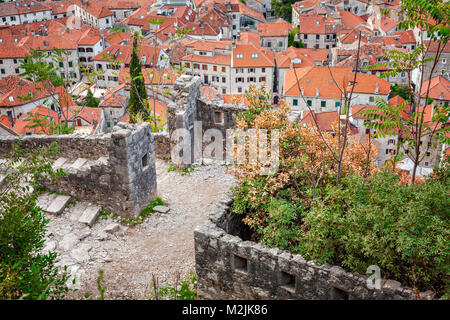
column 162, row 145
column 115, row 170
column 230, row 267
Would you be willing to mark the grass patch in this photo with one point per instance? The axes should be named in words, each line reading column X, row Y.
column 183, row 172
column 148, row 210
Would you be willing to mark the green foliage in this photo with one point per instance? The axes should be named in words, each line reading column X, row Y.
column 26, row 273
column 100, row 287
column 183, row 172
column 291, row 39
column 403, row 229
column 149, row 209
column 399, row 90
column 90, row 100
column 186, row 290
column 283, row 8
column 138, row 103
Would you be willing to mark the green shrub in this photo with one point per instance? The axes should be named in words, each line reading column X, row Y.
column 403, row 229
column 26, row 273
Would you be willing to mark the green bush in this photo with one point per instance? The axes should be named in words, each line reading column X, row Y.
column 26, row 273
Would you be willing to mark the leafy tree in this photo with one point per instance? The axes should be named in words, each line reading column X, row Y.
column 291, row 39
column 26, row 272
column 90, row 100
column 41, row 68
column 433, row 18
column 283, row 8
column 138, row 103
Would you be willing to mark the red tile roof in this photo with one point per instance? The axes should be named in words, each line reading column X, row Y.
column 439, row 88
column 318, row 80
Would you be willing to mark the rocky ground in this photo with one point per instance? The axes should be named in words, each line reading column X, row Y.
column 162, row 245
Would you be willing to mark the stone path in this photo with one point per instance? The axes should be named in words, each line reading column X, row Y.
column 162, row 245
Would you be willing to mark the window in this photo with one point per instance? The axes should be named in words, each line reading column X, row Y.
column 428, row 153
column 1, row 61
column 337, row 104
column 388, row 151
column 251, row 79
column 444, row 61
column 269, row 44
column 295, row 102
column 224, row 80
column 215, row 68
column 81, row 50
column 205, row 67
column 309, row 103
column 224, row 69
column 367, row 131
column 89, row 50
column 371, row 99
column 224, row 91
column 280, row 44
column 263, row 70
column 317, row 37
column 323, row 104
column 70, row 64
column 196, row 66
column 239, row 90
column 239, row 79
column 250, row 70
column 15, row 61
column 61, row 65
column 17, row 71
column 187, row 65
column 305, row 36
column 218, row 117
column 262, row 79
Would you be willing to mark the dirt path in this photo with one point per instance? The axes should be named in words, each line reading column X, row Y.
column 163, row 244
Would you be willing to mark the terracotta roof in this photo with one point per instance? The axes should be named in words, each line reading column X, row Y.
column 279, row 28
column 350, row 19
column 249, row 37
column 439, row 88
column 304, row 57
column 122, row 53
column 23, row 126
column 318, row 80
column 23, row 88
column 5, row 121
column 324, row 120
column 252, row 56
column 22, row 7
column 219, row 59
column 432, row 46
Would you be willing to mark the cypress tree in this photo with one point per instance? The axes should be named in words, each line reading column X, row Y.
column 138, row 103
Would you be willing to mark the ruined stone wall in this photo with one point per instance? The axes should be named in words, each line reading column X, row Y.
column 162, row 145
column 115, row 170
column 230, row 268
column 181, row 113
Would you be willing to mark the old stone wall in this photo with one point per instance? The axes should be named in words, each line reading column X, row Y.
column 162, row 145
column 115, row 170
column 229, row 267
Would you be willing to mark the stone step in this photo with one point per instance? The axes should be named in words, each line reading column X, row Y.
column 77, row 210
column 44, row 200
column 58, row 204
column 78, row 163
column 58, row 164
column 90, row 215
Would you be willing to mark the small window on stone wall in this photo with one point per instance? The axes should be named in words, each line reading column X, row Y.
column 218, row 117
column 287, row 281
column 339, row 294
column 144, row 161
column 239, row 263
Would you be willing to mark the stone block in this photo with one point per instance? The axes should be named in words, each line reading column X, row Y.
column 58, row 204
column 161, row 209
column 90, row 215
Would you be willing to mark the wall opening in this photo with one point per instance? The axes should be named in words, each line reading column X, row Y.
column 239, row 263
column 145, row 161
column 287, row 281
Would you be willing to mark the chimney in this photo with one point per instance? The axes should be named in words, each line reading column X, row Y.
column 233, row 44
column 317, row 92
